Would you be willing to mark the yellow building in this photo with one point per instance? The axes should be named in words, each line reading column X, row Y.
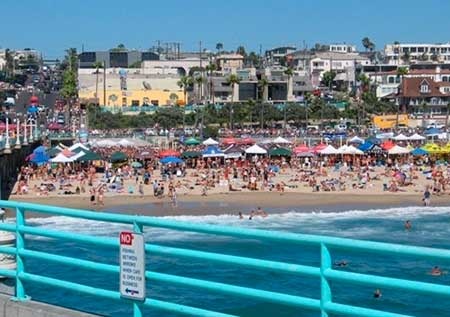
column 389, row 121
column 115, row 97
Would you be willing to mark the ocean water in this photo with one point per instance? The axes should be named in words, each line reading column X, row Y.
column 431, row 228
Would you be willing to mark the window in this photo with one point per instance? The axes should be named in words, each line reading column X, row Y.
column 443, row 50
column 420, row 49
column 424, row 88
column 447, row 89
column 135, row 102
column 413, row 49
column 155, row 102
column 445, row 78
column 391, row 80
column 124, row 102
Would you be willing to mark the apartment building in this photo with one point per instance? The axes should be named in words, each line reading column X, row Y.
column 406, row 53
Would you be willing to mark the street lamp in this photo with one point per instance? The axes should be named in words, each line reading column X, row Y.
column 7, row 149
column 18, row 145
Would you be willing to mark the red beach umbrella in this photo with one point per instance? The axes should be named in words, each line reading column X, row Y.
column 319, row 147
column 229, row 141
column 169, row 152
column 303, row 148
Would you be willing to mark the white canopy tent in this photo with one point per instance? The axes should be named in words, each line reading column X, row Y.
column 398, row 150
column 125, row 142
column 416, row 137
column 281, row 140
column 356, row 139
column 255, row 149
column 349, row 149
column 61, row 158
column 104, row 143
column 401, row 137
column 329, row 150
column 76, row 146
column 210, row 141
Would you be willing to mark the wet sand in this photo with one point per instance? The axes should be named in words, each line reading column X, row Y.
column 231, row 203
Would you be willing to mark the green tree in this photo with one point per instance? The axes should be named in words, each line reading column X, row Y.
column 241, row 51
column 219, row 47
column 328, row 78
column 263, row 83
column 210, row 69
column 97, row 66
column 199, row 80
column 368, row 45
column 120, row 48
column 185, row 83
column 232, row 80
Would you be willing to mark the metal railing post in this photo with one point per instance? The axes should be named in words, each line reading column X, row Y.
column 137, row 307
column 20, row 245
column 325, row 290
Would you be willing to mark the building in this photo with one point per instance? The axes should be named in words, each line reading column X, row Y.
column 2, row 59
column 423, row 95
column 342, row 48
column 115, row 58
column 229, row 62
column 181, row 67
column 277, row 55
column 403, row 53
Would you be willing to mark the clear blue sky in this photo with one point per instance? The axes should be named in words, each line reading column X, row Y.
column 54, row 25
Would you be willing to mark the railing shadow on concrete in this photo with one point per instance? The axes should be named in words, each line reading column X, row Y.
column 325, row 305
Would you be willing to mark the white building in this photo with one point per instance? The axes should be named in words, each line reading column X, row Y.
column 404, row 53
column 342, row 48
column 2, row 59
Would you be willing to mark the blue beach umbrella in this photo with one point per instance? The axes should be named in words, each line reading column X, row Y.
column 419, row 152
column 171, row 160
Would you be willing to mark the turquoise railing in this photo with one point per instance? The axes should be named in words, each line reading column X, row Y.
column 325, row 304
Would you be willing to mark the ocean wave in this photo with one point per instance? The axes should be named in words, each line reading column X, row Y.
column 318, row 222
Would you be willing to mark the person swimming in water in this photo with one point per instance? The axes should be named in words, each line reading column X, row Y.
column 252, row 214
column 261, row 212
column 342, row 263
column 377, row 293
column 436, row 271
column 408, row 225
column 240, row 215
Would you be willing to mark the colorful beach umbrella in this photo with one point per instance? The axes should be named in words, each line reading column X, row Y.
column 118, row 157
column 192, row 141
column 280, row 152
column 168, row 152
column 418, row 152
column 229, row 141
column 171, row 160
column 191, row 154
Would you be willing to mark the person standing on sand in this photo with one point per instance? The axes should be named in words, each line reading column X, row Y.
column 92, row 193
column 141, row 189
column 101, row 196
column 426, row 197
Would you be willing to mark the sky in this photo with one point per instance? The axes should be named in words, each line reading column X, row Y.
column 52, row 26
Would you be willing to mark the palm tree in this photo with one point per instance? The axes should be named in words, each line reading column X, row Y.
column 366, row 43
column 210, row 69
column 199, row 80
column 401, row 71
column 289, row 72
column 97, row 66
column 219, row 47
column 263, row 83
column 232, row 80
column 185, row 82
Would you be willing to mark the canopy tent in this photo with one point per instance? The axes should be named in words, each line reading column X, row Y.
column 104, row 143
column 398, row 150
column 319, row 147
column 168, row 152
column 302, row 148
column 192, row 141
column 400, row 137
column 171, row 160
column 366, row 146
column 213, row 151
column 255, row 149
column 433, row 132
column 349, row 149
column 432, row 148
column 118, row 157
column 191, row 154
column 67, row 153
column 356, row 139
column 210, row 141
column 373, row 140
column 386, row 145
column 61, row 158
column 90, row 156
column 418, row 152
column 54, row 151
column 229, row 141
column 281, row 140
column 280, row 152
column 247, row 141
column 329, row 150
column 416, row 137
column 233, row 151
column 125, row 142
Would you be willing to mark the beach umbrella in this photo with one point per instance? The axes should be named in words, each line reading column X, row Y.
column 192, row 141
column 136, row 165
column 418, row 152
column 356, row 139
column 168, row 152
column 416, row 137
column 118, row 157
column 213, row 151
column 210, row 141
column 400, row 137
column 281, row 140
column 373, row 140
column 229, row 141
column 398, row 150
column 366, row 146
column 329, row 150
column 191, row 154
column 90, row 156
column 171, row 160
column 145, row 155
column 255, row 149
column 280, row 152
column 433, row 132
column 432, row 148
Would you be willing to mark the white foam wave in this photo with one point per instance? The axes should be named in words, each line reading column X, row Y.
column 318, row 222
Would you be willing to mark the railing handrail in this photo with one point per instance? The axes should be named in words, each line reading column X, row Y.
column 325, row 271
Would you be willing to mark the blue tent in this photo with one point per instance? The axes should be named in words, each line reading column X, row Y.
column 373, row 140
column 39, row 158
column 212, row 151
column 419, row 152
column 171, row 160
column 40, row 149
column 433, row 131
column 366, row 146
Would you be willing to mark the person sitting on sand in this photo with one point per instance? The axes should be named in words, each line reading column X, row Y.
column 232, row 189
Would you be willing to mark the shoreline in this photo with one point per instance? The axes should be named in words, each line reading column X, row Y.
column 230, row 203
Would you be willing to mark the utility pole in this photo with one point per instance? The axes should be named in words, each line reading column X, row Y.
column 104, row 83
column 200, row 88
